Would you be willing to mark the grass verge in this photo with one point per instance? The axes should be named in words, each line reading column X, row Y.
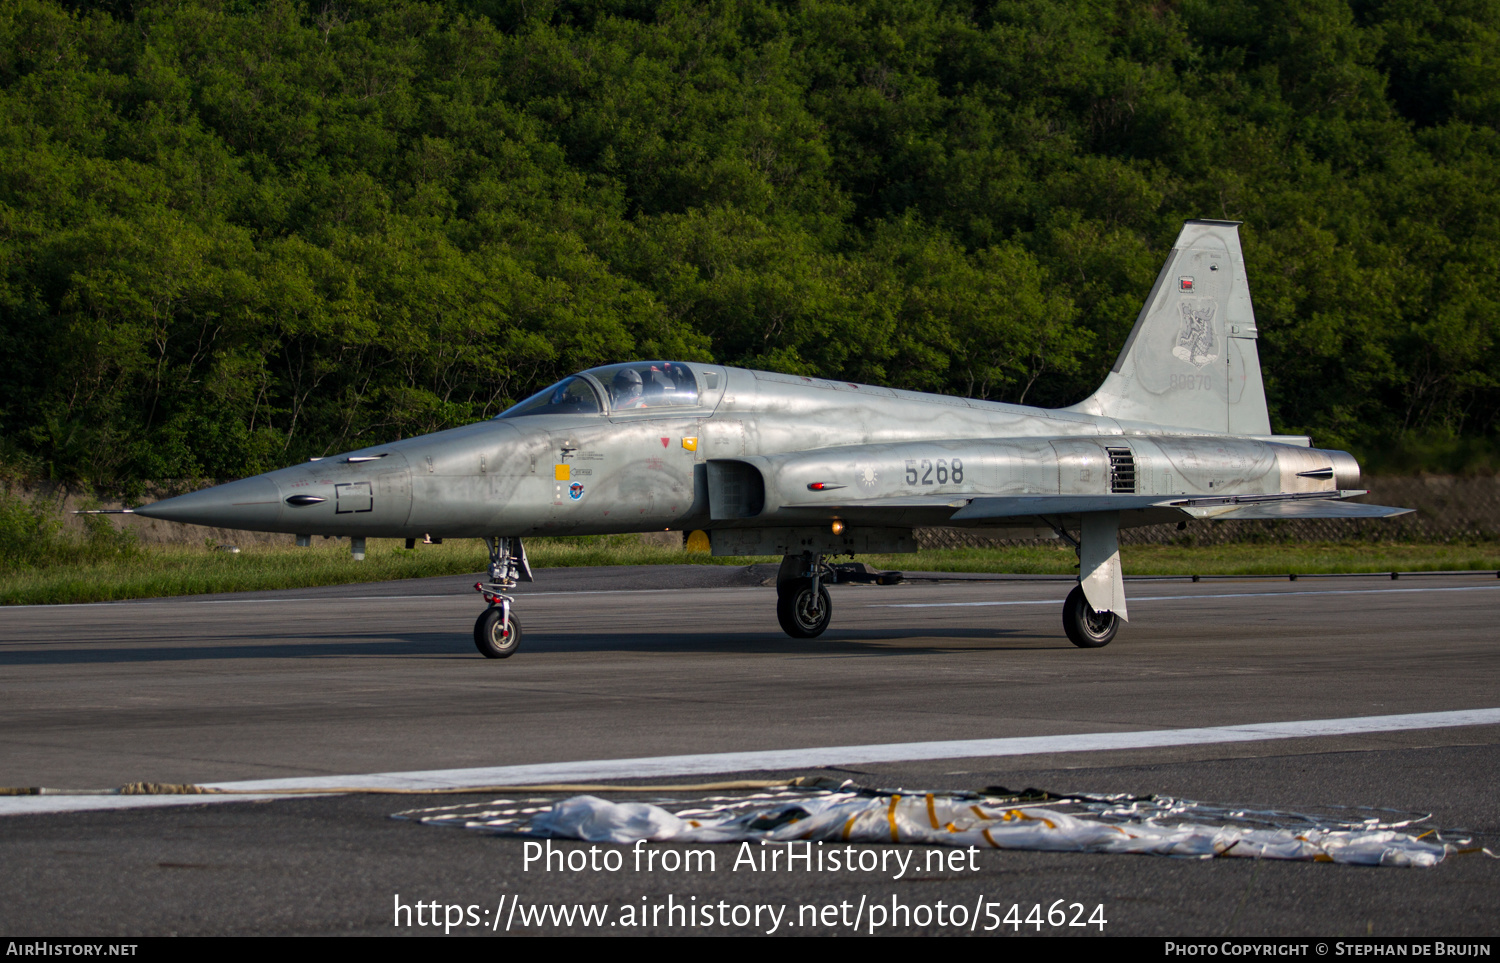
column 158, row 572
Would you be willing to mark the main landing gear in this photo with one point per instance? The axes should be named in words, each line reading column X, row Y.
column 1086, row 628
column 802, row 604
column 497, row 632
column 1100, row 581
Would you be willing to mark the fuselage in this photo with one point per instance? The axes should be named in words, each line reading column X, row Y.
column 809, row 469
column 640, row 467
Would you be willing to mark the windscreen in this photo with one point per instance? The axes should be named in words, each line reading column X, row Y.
column 571, row 396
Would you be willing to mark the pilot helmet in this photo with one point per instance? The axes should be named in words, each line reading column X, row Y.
column 627, row 383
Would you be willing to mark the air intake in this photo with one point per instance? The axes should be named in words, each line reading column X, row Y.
column 1121, row 471
column 735, row 490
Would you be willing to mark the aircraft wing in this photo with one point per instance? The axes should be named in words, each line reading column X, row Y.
column 1020, row 506
column 1017, row 512
column 983, row 509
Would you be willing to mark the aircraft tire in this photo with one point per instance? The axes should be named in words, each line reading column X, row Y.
column 793, row 609
column 493, row 641
column 1086, row 628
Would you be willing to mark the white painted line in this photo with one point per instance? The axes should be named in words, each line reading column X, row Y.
column 731, row 588
column 38, row 805
column 778, row 759
column 181, row 601
column 470, row 594
column 1292, row 593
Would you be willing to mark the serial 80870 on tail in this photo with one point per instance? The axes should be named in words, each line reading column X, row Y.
column 809, row 469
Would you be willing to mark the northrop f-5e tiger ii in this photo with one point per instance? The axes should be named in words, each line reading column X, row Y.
column 809, row 469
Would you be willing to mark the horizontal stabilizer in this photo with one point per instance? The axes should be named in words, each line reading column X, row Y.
column 1310, row 508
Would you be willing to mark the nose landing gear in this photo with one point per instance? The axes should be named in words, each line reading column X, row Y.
column 497, row 632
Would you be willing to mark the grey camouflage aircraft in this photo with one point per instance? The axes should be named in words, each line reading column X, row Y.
column 807, row 468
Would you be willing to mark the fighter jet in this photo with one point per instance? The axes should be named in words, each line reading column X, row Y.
column 812, row 468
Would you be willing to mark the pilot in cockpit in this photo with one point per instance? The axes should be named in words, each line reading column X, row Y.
column 626, row 390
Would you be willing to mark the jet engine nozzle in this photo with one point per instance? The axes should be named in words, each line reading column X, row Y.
column 1345, row 470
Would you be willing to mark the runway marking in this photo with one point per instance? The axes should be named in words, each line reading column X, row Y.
column 1173, row 598
column 780, row 759
column 361, row 598
column 719, row 588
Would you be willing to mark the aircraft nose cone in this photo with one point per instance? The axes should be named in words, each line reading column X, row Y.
column 251, row 503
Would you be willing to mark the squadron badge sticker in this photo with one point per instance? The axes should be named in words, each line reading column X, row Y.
column 1195, row 339
column 575, row 491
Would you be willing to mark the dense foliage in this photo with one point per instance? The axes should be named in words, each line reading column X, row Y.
column 237, row 233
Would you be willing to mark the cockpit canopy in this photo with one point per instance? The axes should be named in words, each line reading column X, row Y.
column 628, row 387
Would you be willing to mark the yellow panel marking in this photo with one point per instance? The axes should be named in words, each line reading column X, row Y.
column 890, row 816
column 563, row 472
column 691, row 444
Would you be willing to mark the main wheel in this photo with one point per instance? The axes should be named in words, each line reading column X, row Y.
column 803, row 614
column 1086, row 628
column 496, row 639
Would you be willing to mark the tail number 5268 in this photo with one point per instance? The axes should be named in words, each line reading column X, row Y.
column 941, row 471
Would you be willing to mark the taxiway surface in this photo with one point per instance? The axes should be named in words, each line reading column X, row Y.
column 689, row 660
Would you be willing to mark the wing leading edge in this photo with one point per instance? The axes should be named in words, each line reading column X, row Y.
column 978, row 509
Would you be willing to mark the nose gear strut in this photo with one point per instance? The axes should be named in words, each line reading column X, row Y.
column 497, row 633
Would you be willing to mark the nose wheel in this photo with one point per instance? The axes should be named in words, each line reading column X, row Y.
column 497, row 632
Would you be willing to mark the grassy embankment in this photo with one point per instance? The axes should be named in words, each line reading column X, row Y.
column 107, row 568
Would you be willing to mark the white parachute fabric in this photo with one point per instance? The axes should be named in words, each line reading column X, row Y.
column 1155, row 826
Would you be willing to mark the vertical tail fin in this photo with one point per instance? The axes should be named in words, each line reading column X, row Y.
column 1190, row 361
